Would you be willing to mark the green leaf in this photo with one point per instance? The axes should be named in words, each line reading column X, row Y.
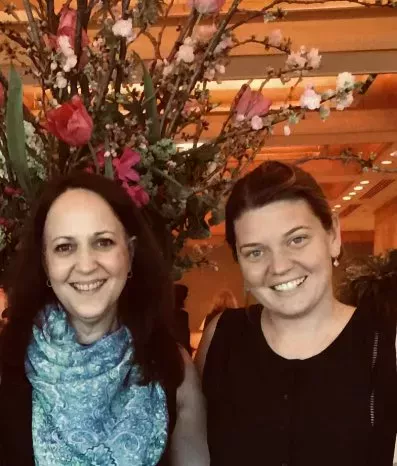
column 16, row 132
column 151, row 106
column 109, row 168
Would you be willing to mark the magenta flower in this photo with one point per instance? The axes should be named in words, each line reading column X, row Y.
column 123, row 165
column 137, row 194
column 251, row 104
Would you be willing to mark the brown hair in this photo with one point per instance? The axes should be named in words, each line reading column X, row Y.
column 270, row 182
column 145, row 304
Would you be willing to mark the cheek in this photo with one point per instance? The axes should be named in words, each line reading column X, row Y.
column 118, row 263
column 253, row 273
column 57, row 270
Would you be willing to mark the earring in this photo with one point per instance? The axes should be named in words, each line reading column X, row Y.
column 336, row 262
column 48, row 283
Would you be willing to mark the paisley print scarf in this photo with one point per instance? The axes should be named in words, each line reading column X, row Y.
column 87, row 406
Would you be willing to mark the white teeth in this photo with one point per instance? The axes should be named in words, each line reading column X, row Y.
column 287, row 286
column 88, row 286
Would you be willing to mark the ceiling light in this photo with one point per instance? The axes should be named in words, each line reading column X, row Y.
column 394, row 154
column 364, row 182
column 386, row 162
column 337, row 206
column 358, row 188
column 353, row 193
column 346, row 198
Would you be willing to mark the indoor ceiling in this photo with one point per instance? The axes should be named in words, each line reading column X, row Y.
column 350, row 38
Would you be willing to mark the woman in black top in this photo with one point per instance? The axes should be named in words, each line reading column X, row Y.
column 300, row 379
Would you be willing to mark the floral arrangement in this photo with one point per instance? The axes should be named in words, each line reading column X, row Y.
column 103, row 109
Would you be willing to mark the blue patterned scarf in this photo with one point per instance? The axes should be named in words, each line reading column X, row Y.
column 87, row 407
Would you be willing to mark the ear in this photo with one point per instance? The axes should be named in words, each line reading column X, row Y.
column 335, row 240
column 131, row 247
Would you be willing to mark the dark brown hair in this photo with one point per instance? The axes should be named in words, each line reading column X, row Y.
column 271, row 182
column 145, row 304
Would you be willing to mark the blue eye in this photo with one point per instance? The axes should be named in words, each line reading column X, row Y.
column 298, row 240
column 255, row 254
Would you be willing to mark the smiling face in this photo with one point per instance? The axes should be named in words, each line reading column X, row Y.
column 87, row 257
column 285, row 255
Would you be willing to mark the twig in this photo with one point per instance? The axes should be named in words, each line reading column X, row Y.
column 33, row 26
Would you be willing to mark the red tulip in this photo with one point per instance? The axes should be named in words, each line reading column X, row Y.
column 252, row 103
column 71, row 122
column 207, row 6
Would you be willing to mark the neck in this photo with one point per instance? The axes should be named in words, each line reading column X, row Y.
column 90, row 331
column 307, row 335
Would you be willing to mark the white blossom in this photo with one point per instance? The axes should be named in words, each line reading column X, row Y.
column 220, row 69
column 344, row 101
column 123, row 28
column 209, row 74
column 275, row 38
column 313, row 59
column 256, row 123
column 61, row 81
column 65, row 46
column 287, row 130
column 295, row 60
column 310, row 99
column 345, row 81
column 224, row 44
column 186, row 51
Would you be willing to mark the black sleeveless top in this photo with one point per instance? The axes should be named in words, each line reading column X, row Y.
column 338, row 408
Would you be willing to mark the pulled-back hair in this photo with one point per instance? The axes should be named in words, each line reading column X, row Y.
column 145, row 304
column 270, row 182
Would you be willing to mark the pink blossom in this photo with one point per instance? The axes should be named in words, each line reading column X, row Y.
column 204, row 34
column 252, row 103
column 310, row 99
column 137, row 194
column 123, row 165
column 256, row 123
column 275, row 38
column 207, row 6
column 191, row 106
column 296, row 60
column 186, row 51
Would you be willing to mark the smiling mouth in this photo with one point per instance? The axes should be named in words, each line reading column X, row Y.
column 288, row 286
column 88, row 286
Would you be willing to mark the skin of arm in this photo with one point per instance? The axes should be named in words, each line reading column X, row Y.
column 189, row 439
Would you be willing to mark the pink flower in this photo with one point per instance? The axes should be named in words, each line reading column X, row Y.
column 251, row 103
column 67, row 27
column 137, row 194
column 204, row 34
column 207, row 6
column 71, row 122
column 191, row 106
column 310, row 99
column 256, row 123
column 275, row 38
column 123, row 165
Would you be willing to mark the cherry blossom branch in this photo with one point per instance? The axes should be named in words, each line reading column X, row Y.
column 365, row 164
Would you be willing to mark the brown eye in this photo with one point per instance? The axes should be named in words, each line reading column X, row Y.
column 104, row 243
column 63, row 248
column 255, row 254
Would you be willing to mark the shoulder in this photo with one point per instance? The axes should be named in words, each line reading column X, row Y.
column 227, row 320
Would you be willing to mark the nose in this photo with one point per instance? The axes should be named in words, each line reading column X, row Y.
column 86, row 261
column 280, row 263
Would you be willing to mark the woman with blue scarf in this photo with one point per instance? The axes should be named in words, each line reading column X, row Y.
column 90, row 372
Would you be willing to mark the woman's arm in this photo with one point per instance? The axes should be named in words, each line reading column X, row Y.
column 189, row 439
